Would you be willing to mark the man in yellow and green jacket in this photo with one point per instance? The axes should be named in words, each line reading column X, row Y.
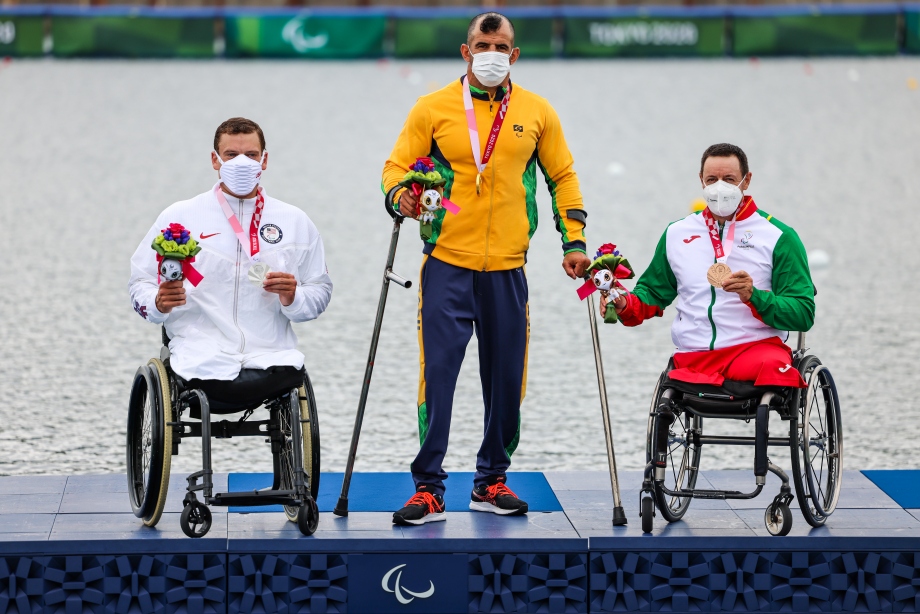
column 472, row 277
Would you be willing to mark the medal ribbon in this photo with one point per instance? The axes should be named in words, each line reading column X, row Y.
column 250, row 246
column 474, row 131
column 721, row 252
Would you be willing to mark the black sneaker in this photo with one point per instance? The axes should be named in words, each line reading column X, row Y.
column 497, row 498
column 421, row 508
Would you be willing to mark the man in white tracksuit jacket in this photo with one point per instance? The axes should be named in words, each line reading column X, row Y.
column 741, row 281
column 226, row 323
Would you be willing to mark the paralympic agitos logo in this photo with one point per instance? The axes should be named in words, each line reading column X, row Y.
column 302, row 42
column 401, row 592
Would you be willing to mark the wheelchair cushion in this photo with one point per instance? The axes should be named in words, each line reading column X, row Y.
column 249, row 390
column 736, row 389
column 745, row 395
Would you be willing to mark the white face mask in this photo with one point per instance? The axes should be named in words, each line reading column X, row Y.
column 241, row 174
column 722, row 198
column 491, row 67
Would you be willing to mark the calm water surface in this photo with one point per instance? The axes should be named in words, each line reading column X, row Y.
column 93, row 151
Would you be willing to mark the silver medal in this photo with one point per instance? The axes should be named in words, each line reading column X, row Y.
column 258, row 272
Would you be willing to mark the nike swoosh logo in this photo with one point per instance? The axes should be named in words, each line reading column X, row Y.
column 204, row 236
column 691, row 238
column 783, row 370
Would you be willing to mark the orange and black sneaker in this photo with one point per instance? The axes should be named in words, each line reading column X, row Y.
column 421, row 508
column 497, row 498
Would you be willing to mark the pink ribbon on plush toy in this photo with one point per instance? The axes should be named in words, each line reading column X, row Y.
column 589, row 288
column 448, row 206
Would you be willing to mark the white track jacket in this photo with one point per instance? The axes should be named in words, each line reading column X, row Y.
column 227, row 322
column 710, row 318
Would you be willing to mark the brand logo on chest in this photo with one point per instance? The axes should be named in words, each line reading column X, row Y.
column 746, row 241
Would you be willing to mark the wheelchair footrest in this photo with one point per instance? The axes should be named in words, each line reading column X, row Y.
column 256, row 497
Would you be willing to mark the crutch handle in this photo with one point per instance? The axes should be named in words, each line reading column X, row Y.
column 388, row 203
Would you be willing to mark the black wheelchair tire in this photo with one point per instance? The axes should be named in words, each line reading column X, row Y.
column 816, row 500
column 311, row 450
column 291, row 443
column 647, row 511
column 142, row 472
column 195, row 520
column 673, row 508
column 308, row 517
column 307, row 417
column 778, row 519
column 148, row 486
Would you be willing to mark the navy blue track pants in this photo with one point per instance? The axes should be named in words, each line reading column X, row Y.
column 453, row 303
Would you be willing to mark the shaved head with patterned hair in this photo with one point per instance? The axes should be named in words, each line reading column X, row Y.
column 488, row 23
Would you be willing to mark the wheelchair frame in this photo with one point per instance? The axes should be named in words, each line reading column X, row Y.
column 152, row 440
column 794, row 405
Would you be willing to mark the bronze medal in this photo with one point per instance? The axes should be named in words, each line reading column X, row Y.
column 717, row 274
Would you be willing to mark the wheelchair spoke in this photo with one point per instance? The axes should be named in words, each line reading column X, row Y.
column 817, row 452
column 679, row 481
column 288, row 423
column 147, row 438
column 679, row 442
column 820, row 456
column 287, row 464
column 679, row 473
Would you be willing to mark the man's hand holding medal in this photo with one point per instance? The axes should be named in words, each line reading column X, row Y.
column 282, row 284
column 741, row 284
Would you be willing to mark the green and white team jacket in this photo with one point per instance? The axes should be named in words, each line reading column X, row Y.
column 710, row 318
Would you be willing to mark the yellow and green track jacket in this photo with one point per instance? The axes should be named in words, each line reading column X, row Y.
column 493, row 229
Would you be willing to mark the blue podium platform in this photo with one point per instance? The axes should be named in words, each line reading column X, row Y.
column 71, row 544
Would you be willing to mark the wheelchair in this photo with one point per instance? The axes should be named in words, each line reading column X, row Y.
column 676, row 438
column 164, row 409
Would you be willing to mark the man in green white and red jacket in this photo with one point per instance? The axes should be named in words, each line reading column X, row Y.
column 741, row 280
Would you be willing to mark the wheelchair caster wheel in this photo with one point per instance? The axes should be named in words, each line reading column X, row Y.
column 778, row 519
column 195, row 520
column 308, row 517
column 648, row 514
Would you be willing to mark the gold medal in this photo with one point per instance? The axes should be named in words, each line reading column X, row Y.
column 478, row 182
column 717, row 274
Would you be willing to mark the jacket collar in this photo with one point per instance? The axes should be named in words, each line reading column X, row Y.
column 479, row 94
column 249, row 204
column 748, row 208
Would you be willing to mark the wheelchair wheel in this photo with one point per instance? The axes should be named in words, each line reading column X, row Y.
column 778, row 519
column 310, row 421
column 647, row 511
column 683, row 459
column 817, row 443
column 195, row 520
column 308, row 517
column 304, row 413
column 149, row 442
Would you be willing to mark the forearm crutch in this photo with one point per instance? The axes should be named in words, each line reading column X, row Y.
column 619, row 517
column 341, row 508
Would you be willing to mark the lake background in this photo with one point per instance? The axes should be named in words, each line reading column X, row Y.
column 92, row 151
